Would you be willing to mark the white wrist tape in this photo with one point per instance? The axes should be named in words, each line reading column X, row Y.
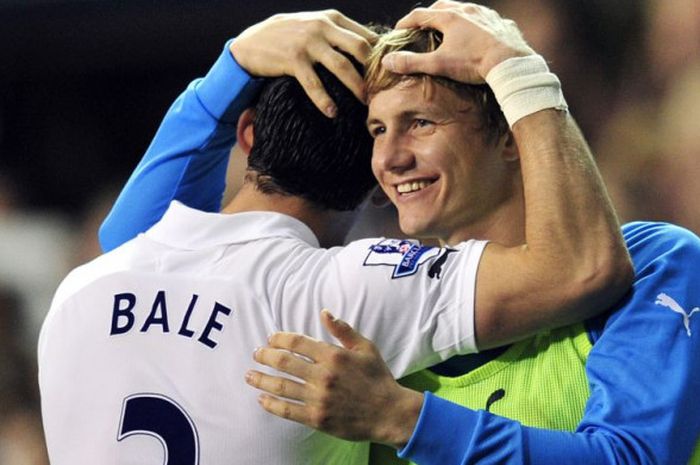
column 524, row 85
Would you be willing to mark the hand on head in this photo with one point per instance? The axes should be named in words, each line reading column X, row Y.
column 290, row 44
column 475, row 39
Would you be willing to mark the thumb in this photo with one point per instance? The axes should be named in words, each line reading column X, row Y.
column 342, row 331
column 411, row 63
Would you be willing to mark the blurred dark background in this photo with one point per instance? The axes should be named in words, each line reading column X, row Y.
column 84, row 84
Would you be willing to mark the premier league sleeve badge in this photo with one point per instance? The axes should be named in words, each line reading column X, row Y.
column 404, row 256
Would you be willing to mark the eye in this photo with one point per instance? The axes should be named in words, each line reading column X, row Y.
column 376, row 131
column 422, row 123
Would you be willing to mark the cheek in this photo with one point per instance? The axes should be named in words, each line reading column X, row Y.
column 438, row 150
column 376, row 169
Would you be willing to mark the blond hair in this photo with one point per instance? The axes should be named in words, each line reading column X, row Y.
column 378, row 78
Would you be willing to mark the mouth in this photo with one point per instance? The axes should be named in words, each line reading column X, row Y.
column 411, row 187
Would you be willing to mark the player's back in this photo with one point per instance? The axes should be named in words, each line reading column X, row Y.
column 144, row 352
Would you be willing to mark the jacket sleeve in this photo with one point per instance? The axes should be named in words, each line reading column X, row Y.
column 187, row 159
column 642, row 372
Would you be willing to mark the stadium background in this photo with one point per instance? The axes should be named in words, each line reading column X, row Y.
column 83, row 85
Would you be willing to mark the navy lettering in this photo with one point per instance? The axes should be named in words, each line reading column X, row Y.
column 157, row 317
column 213, row 324
column 125, row 312
column 184, row 331
column 162, row 418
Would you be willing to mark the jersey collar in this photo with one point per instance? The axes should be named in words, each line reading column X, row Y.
column 187, row 228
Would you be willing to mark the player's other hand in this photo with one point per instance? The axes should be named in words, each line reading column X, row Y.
column 290, row 44
column 475, row 39
column 345, row 391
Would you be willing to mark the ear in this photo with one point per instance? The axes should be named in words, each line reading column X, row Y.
column 510, row 148
column 244, row 130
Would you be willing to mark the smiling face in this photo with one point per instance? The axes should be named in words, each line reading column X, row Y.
column 434, row 162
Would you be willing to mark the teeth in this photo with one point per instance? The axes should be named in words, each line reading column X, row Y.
column 407, row 187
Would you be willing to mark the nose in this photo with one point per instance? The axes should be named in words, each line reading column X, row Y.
column 392, row 153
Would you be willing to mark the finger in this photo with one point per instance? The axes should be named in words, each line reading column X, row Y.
column 299, row 344
column 348, row 41
column 343, row 69
column 284, row 408
column 342, row 331
column 313, row 87
column 461, row 6
column 444, row 4
column 283, row 361
column 277, row 385
column 347, row 23
column 412, row 63
column 421, row 18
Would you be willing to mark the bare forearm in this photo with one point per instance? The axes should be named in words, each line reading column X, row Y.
column 573, row 263
column 571, row 229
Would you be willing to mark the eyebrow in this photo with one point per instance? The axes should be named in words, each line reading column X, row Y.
column 404, row 115
column 371, row 121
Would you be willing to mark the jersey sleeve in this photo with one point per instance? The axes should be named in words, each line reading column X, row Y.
column 415, row 302
column 642, row 372
column 187, row 159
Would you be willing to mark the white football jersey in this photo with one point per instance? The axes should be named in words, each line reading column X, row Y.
column 143, row 354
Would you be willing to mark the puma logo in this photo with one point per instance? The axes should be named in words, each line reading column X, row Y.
column 436, row 268
column 667, row 301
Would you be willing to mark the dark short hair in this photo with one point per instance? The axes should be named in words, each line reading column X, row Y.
column 299, row 151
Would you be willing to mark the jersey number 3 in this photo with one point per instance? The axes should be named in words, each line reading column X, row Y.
column 162, row 418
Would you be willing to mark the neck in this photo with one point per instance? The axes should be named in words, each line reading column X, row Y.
column 505, row 224
column 329, row 226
